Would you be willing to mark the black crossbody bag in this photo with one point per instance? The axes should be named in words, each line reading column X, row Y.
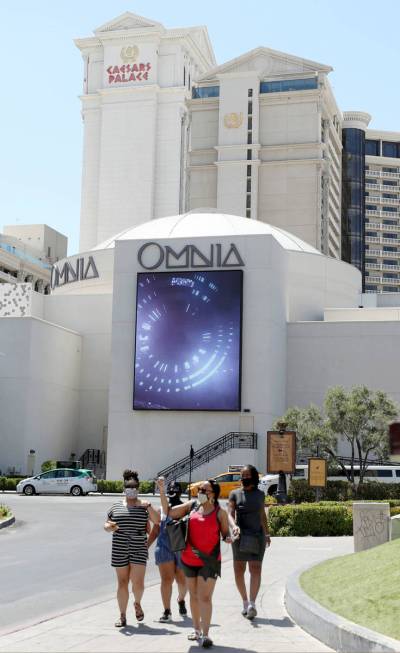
column 177, row 532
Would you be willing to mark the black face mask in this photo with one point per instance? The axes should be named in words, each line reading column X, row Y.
column 174, row 499
column 246, row 482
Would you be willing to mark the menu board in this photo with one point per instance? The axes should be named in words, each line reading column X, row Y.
column 281, row 452
column 317, row 472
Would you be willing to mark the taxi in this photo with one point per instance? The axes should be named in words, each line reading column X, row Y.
column 228, row 481
column 59, row 481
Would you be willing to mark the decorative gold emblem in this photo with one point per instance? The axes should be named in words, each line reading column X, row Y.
column 130, row 53
column 233, row 120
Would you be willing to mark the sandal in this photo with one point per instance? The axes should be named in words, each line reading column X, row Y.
column 121, row 623
column 139, row 612
column 194, row 635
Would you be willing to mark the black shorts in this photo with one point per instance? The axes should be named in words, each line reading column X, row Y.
column 205, row 572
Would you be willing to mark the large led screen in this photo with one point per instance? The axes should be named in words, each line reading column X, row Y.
column 188, row 340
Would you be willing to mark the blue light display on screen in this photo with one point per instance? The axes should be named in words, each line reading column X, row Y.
column 188, row 340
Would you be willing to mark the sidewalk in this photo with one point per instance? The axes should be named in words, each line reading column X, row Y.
column 92, row 630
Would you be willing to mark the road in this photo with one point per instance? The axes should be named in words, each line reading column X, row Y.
column 56, row 557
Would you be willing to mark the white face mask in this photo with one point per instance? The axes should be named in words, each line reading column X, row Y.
column 131, row 493
column 202, row 497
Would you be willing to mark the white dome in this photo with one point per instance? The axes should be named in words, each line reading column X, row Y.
column 201, row 223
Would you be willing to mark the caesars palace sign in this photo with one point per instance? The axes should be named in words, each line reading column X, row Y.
column 130, row 70
column 151, row 256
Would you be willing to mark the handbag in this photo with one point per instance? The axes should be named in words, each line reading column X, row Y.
column 249, row 544
column 177, row 531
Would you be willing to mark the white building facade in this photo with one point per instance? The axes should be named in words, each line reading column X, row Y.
column 191, row 169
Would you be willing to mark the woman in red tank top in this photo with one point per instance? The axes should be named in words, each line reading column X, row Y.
column 201, row 559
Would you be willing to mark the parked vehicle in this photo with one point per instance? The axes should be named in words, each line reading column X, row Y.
column 59, row 481
column 228, row 481
column 269, row 483
column 382, row 473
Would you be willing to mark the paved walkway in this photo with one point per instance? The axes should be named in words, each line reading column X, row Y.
column 91, row 629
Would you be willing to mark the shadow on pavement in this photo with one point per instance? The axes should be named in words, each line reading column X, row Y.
column 285, row 622
column 142, row 629
column 222, row 649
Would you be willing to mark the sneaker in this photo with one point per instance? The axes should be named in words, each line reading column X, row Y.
column 166, row 617
column 182, row 607
column 206, row 642
column 251, row 612
column 245, row 608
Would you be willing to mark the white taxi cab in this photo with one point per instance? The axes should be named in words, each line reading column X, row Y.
column 59, row 481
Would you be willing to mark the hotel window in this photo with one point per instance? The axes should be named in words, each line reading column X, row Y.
column 389, row 182
column 249, row 155
column 373, row 288
column 389, row 261
column 388, row 235
column 282, row 85
column 391, row 149
column 249, row 171
column 372, row 148
column 371, row 234
column 371, row 207
column 200, row 92
column 389, row 248
column 389, row 209
column 390, row 289
column 390, row 222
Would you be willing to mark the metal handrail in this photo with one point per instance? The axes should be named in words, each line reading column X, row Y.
column 231, row 440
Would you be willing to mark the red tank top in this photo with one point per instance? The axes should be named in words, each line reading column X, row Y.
column 204, row 534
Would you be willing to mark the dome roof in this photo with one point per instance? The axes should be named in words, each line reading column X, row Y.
column 203, row 223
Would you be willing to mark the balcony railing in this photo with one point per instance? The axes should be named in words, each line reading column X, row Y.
column 24, row 256
column 382, row 173
column 379, row 239
column 383, row 227
column 382, row 280
column 383, row 200
column 377, row 186
column 382, row 214
column 382, row 266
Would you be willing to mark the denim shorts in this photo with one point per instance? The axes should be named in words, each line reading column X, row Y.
column 163, row 554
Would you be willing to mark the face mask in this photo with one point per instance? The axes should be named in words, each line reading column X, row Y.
column 131, row 493
column 246, row 482
column 202, row 497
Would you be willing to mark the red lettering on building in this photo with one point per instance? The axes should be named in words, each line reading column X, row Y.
column 138, row 72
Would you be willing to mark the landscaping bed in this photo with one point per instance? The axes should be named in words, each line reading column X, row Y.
column 5, row 512
column 362, row 587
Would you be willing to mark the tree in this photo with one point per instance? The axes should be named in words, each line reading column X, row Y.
column 359, row 416
column 47, row 465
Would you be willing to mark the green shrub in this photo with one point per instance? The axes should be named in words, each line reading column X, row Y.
column 317, row 519
column 47, row 465
column 146, row 487
column 310, row 519
column 300, row 492
column 4, row 512
column 110, row 486
column 3, row 482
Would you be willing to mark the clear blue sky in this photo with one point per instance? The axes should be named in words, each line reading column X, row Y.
column 41, row 131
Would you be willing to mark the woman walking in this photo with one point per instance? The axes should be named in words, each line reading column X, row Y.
column 249, row 526
column 201, row 558
column 127, row 520
column 168, row 562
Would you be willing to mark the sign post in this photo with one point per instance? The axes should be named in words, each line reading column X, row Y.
column 191, row 456
column 281, row 457
column 317, row 475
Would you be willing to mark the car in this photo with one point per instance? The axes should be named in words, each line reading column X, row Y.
column 59, row 481
column 228, row 481
column 269, row 483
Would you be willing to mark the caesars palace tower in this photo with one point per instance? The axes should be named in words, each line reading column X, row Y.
column 167, row 131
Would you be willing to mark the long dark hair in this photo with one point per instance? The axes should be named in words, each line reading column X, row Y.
column 216, row 488
column 255, row 479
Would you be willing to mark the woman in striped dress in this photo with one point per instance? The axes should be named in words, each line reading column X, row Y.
column 128, row 520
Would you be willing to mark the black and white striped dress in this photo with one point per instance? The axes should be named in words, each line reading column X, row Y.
column 129, row 543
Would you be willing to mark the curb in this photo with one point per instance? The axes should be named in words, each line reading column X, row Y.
column 335, row 631
column 7, row 522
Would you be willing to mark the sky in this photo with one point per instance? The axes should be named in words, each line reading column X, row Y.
column 41, row 129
